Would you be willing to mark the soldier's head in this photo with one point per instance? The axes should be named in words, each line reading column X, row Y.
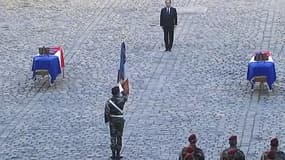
column 168, row 3
column 274, row 142
column 233, row 140
column 192, row 139
column 115, row 91
column 271, row 155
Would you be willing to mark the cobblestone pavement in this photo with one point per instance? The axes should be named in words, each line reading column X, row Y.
column 199, row 87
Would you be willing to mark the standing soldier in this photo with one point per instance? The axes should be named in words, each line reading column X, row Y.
column 232, row 153
column 273, row 153
column 191, row 152
column 114, row 115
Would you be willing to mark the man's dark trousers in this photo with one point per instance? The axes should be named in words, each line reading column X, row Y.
column 168, row 36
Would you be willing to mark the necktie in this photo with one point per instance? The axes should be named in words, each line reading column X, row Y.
column 168, row 10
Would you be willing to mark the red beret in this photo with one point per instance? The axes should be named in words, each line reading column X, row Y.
column 233, row 138
column 271, row 154
column 274, row 142
column 192, row 138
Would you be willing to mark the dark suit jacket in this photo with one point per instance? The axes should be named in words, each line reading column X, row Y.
column 168, row 20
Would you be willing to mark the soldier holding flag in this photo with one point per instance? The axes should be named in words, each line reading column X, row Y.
column 114, row 108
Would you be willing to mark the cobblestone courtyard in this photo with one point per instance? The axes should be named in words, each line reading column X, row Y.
column 200, row 87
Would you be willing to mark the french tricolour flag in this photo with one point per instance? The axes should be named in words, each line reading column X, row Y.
column 122, row 68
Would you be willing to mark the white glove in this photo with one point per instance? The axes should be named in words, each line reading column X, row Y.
column 120, row 87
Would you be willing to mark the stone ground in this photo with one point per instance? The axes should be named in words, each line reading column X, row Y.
column 200, row 87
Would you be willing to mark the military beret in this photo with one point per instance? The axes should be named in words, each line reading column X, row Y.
column 192, row 138
column 233, row 138
column 274, row 142
column 115, row 90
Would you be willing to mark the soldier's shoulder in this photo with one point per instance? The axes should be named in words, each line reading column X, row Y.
column 185, row 148
column 281, row 154
column 240, row 151
column 225, row 150
column 264, row 153
column 108, row 100
column 199, row 149
column 199, row 152
column 114, row 99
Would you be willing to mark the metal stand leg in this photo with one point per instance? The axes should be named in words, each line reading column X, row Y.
column 62, row 72
column 51, row 82
column 252, row 86
column 270, row 87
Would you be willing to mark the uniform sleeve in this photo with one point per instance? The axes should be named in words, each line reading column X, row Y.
column 182, row 153
column 222, row 156
column 180, row 156
column 107, row 112
column 242, row 155
column 262, row 156
column 201, row 156
column 199, row 153
column 283, row 156
column 125, row 96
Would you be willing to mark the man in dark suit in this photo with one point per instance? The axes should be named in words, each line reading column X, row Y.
column 168, row 21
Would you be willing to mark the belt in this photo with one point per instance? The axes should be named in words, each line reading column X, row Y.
column 117, row 116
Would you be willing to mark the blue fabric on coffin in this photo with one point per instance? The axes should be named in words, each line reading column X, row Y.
column 47, row 62
column 262, row 68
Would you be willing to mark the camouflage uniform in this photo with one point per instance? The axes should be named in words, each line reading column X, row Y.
column 116, row 122
column 273, row 153
column 191, row 152
column 232, row 153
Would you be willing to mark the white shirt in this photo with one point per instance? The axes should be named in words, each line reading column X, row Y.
column 168, row 10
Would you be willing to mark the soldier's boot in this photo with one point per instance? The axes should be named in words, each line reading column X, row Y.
column 118, row 155
column 119, row 146
column 113, row 157
column 113, row 147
